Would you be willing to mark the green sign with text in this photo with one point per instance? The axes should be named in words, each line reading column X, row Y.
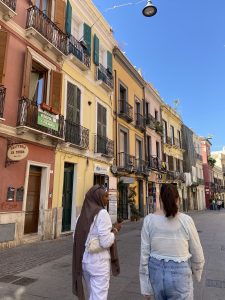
column 48, row 121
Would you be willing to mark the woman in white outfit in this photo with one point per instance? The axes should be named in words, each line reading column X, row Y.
column 170, row 251
column 94, row 266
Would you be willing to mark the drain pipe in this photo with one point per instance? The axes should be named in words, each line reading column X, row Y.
column 145, row 149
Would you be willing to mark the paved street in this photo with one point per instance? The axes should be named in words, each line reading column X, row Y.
column 43, row 270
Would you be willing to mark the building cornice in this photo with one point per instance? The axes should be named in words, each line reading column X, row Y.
column 127, row 64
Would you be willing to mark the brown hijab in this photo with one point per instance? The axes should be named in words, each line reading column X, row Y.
column 91, row 207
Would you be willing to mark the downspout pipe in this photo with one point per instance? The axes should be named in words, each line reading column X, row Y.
column 145, row 150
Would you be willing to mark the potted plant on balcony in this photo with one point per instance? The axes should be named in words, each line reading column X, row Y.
column 135, row 215
column 211, row 161
column 159, row 127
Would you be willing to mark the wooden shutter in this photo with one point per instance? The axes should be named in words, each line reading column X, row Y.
column 101, row 122
column 27, row 74
column 56, row 92
column 109, row 61
column 96, row 50
column 60, row 12
column 87, row 37
column 3, row 45
column 73, row 103
column 68, row 17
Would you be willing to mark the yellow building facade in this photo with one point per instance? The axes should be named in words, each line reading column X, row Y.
column 86, row 155
column 129, row 128
column 172, row 149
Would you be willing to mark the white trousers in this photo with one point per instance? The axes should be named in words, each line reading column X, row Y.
column 97, row 276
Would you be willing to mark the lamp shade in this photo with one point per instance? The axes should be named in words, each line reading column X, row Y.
column 149, row 10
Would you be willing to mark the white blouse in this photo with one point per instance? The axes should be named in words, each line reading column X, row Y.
column 173, row 239
column 101, row 228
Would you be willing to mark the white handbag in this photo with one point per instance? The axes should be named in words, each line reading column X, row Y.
column 93, row 243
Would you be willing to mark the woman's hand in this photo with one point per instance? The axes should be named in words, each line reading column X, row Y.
column 116, row 227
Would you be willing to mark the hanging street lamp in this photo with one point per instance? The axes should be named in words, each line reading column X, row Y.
column 149, row 10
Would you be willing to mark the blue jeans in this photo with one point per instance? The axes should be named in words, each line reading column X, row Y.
column 171, row 280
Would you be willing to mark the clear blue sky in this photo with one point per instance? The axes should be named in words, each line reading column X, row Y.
column 181, row 51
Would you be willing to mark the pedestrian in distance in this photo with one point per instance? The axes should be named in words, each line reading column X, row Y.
column 214, row 204
column 219, row 204
column 94, row 248
column 170, row 251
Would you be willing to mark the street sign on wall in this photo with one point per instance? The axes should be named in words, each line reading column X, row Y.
column 47, row 120
column 17, row 152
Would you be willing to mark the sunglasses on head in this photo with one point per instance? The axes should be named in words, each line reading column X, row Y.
column 100, row 187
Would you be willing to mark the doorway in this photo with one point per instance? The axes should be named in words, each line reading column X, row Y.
column 141, row 197
column 123, row 201
column 33, row 200
column 67, row 196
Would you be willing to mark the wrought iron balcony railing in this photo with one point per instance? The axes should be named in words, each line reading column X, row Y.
column 105, row 76
column 2, row 100
column 76, row 134
column 140, row 121
column 38, row 20
column 199, row 156
column 104, row 145
column 154, row 163
column 150, row 121
column 141, row 166
column 200, row 181
column 126, row 162
column 29, row 114
column 76, row 48
column 125, row 110
column 10, row 3
column 177, row 143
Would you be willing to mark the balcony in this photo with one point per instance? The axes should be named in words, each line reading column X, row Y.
column 139, row 122
column 126, row 162
column 78, row 54
column 8, row 9
column 170, row 175
column 2, row 100
column 104, row 77
column 76, row 135
column 177, row 143
column 198, row 156
column 31, row 118
column 104, row 146
column 46, row 32
column 141, row 166
column 125, row 111
column 159, row 127
column 200, row 181
column 150, row 121
column 154, row 163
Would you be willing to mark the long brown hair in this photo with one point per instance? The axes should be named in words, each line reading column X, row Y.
column 169, row 196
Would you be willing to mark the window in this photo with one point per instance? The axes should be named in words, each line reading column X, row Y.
column 156, row 115
column 41, row 84
column 101, row 121
column 164, row 131
column 147, row 108
column 45, row 6
column 157, row 149
column 138, row 149
column 172, row 134
column 103, row 56
column 123, row 93
column 77, row 29
column 179, row 138
column 38, row 84
column 123, row 141
column 73, row 103
column 170, row 163
column 138, row 107
column 149, row 147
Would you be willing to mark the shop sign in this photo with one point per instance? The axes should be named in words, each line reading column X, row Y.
column 113, row 207
column 101, row 169
column 17, row 152
column 127, row 180
column 48, row 120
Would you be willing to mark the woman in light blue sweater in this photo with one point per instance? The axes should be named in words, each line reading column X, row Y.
column 170, row 251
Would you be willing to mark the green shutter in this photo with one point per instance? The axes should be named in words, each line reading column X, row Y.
column 109, row 61
column 87, row 37
column 96, row 50
column 68, row 17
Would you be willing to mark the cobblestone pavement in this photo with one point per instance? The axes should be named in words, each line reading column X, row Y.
column 43, row 270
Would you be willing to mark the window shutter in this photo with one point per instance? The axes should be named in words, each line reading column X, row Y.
column 109, row 61
column 27, row 74
column 60, row 12
column 56, row 92
column 3, row 44
column 68, row 17
column 96, row 50
column 87, row 37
